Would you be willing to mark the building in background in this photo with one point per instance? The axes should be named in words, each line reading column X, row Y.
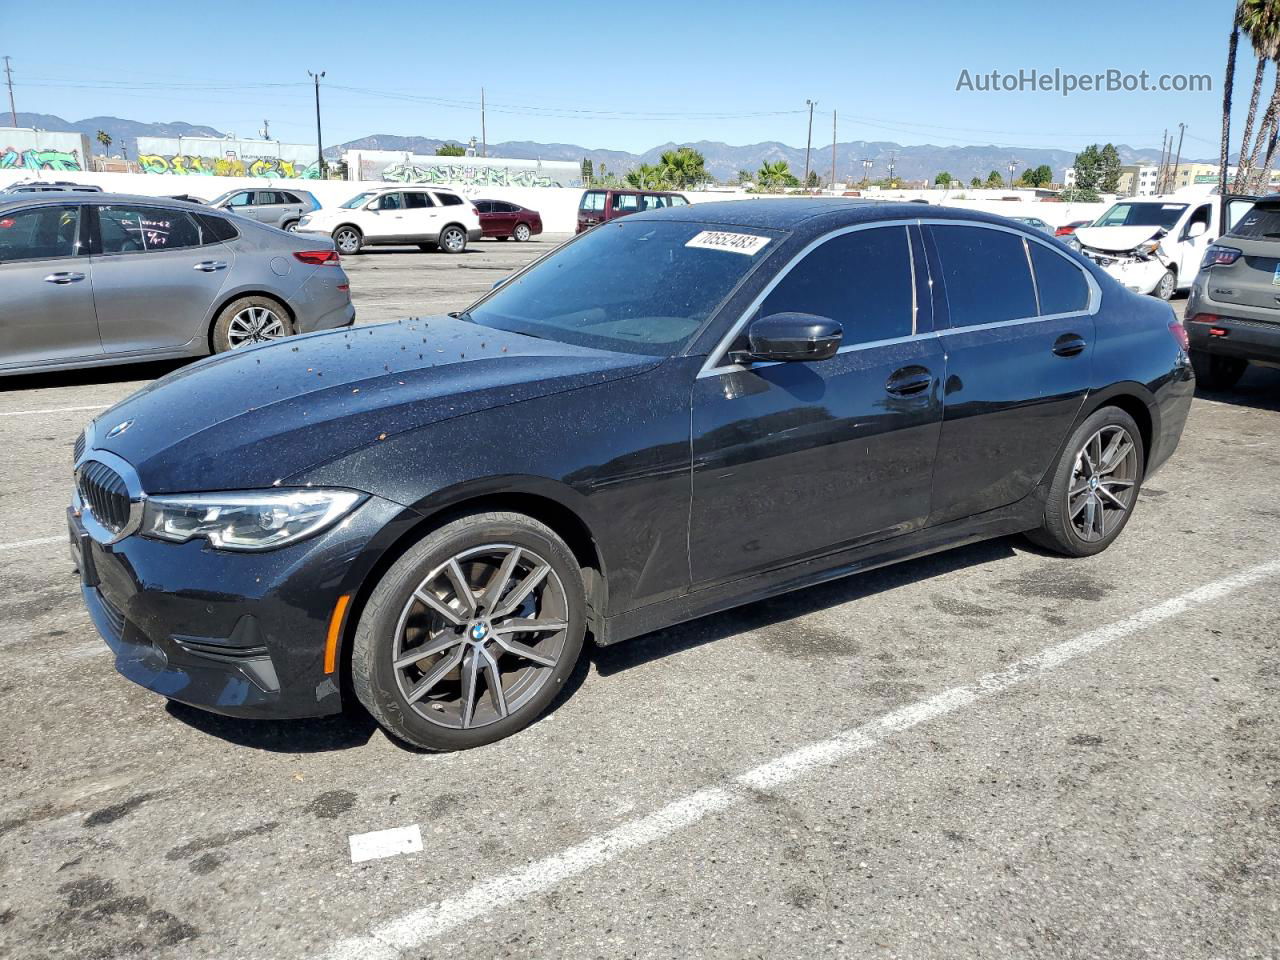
column 1138, row 180
column 228, row 157
column 22, row 148
column 400, row 167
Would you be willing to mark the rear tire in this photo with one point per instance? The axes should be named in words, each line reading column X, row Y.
column 349, row 240
column 444, row 700
column 1215, row 372
column 453, row 239
column 250, row 320
column 1168, row 284
column 521, row 233
column 1095, row 485
column 290, row 227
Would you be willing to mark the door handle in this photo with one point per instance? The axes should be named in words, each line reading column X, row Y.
column 209, row 266
column 61, row 278
column 1069, row 345
column 908, row 382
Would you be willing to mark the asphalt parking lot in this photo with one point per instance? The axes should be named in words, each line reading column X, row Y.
column 989, row 752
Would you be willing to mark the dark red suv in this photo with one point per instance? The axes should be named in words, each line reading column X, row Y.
column 501, row 219
column 598, row 206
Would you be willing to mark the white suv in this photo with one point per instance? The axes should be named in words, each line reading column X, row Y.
column 429, row 218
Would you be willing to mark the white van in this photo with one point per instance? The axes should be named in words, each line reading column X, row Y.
column 1155, row 244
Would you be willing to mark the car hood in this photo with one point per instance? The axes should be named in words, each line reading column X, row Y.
column 265, row 414
column 1116, row 238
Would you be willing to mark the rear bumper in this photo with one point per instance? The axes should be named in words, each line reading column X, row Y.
column 475, row 233
column 1236, row 337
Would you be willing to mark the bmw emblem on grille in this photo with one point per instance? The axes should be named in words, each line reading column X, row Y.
column 118, row 429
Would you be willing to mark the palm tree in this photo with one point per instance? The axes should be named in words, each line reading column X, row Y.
column 774, row 175
column 104, row 138
column 744, row 177
column 647, row 177
column 1260, row 21
column 683, row 167
column 1228, row 82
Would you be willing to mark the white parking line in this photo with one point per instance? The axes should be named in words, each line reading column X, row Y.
column 389, row 940
column 32, row 413
column 385, row 843
column 37, row 542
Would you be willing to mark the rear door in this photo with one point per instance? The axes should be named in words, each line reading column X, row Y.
column 46, row 310
column 1019, row 353
column 621, row 204
column 421, row 215
column 155, row 279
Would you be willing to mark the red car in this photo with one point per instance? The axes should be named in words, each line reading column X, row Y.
column 501, row 219
column 1069, row 228
column 598, row 206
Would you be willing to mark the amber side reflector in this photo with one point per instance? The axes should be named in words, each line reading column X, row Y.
column 335, row 632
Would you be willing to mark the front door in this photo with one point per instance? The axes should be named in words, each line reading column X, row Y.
column 153, row 282
column 1019, row 361
column 796, row 460
column 46, row 311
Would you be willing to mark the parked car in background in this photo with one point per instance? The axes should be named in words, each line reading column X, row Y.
column 1034, row 222
column 50, row 186
column 1233, row 310
column 429, row 218
column 1069, row 228
column 276, row 208
column 691, row 409
column 1155, row 244
column 102, row 278
column 597, row 206
column 501, row 219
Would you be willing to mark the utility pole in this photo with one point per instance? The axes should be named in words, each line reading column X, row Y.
column 266, row 129
column 866, row 169
column 892, row 158
column 1182, row 127
column 833, row 151
column 8, row 75
column 1160, row 169
column 319, row 144
column 1012, row 166
column 808, row 145
column 484, row 140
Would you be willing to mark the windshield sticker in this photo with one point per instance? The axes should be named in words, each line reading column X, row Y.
column 747, row 243
column 1172, row 206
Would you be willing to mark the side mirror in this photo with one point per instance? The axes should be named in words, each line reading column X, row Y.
column 1197, row 230
column 787, row 337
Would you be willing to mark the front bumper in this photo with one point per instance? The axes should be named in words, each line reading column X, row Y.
column 1236, row 337
column 241, row 634
column 1140, row 276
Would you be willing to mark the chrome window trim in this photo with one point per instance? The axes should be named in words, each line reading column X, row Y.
column 137, row 497
column 710, row 367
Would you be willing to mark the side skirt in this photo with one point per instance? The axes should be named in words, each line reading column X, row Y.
column 1024, row 515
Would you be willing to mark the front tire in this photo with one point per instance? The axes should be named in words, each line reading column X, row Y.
column 453, row 239
column 1168, row 284
column 1215, row 372
column 348, row 240
column 468, row 637
column 247, row 321
column 1095, row 486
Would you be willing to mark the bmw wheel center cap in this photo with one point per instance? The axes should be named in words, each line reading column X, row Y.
column 479, row 631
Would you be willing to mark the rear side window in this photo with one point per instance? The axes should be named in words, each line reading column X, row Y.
column 679, row 202
column 592, row 201
column 1060, row 283
column 986, row 273
column 40, row 234
column 449, row 199
column 268, row 197
column 862, row 280
column 289, row 198
column 129, row 229
column 416, row 201
column 1260, row 223
column 626, row 201
column 652, row 202
column 214, row 229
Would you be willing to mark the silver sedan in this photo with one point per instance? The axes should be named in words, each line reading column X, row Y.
column 99, row 278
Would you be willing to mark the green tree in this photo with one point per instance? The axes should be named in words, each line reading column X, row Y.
column 994, row 180
column 648, row 176
column 588, row 172
column 1043, row 175
column 104, row 138
column 1260, row 21
column 776, row 176
column 943, row 179
column 450, row 150
column 975, row 181
column 744, row 177
column 1088, row 167
column 683, row 167
column 814, row 181
column 1108, row 169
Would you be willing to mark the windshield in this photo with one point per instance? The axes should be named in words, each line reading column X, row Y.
column 356, row 201
column 631, row 286
column 1141, row 215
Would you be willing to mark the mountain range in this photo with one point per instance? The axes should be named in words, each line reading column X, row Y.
column 723, row 160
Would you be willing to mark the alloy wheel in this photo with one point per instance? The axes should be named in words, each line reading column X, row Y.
column 480, row 635
column 348, row 241
column 1166, row 285
column 522, row 232
column 1103, row 482
column 453, row 240
column 254, row 325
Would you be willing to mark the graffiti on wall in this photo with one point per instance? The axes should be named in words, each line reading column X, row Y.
column 478, row 176
column 185, row 164
column 14, row 159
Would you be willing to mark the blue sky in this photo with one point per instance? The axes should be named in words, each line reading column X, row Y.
column 604, row 75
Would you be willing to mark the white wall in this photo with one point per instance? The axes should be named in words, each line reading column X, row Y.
column 558, row 205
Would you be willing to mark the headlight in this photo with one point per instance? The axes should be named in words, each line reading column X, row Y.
column 1148, row 248
column 1072, row 241
column 254, row 520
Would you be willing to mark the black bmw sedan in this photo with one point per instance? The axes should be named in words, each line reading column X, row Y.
column 673, row 413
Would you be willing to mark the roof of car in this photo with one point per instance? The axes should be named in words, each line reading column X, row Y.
column 815, row 213
column 22, row 199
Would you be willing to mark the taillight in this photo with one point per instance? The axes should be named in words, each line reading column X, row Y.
column 1180, row 334
column 476, row 211
column 1219, row 256
column 1204, row 318
column 318, row 257
column 1064, row 231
